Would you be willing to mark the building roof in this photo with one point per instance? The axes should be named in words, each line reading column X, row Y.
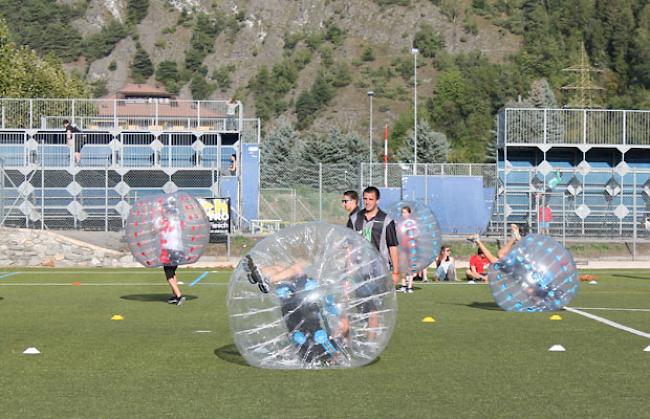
column 140, row 90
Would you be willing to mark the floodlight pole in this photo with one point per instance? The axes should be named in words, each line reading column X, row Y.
column 370, row 95
column 415, row 51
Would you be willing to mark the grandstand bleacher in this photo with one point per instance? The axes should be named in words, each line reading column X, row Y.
column 128, row 147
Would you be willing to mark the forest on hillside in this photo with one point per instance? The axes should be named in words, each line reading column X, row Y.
column 468, row 89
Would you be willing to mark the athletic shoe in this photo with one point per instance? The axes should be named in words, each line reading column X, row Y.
column 181, row 300
column 254, row 275
column 401, row 289
column 471, row 281
column 472, row 239
column 409, row 290
column 172, row 300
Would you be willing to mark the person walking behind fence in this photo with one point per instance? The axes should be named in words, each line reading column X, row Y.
column 74, row 141
column 231, row 114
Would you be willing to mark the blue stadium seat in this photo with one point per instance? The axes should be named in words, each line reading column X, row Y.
column 209, row 157
column 96, row 155
column 181, row 156
column 13, row 155
column 137, row 156
column 54, row 155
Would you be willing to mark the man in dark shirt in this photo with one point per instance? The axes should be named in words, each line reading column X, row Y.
column 72, row 139
column 378, row 228
column 350, row 202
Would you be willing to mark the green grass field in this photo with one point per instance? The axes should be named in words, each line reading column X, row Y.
column 474, row 361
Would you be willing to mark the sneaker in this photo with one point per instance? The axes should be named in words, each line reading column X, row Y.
column 172, row 300
column 472, row 239
column 401, row 289
column 409, row 290
column 254, row 275
column 471, row 281
column 180, row 301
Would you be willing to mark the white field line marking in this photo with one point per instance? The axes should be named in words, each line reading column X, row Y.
column 448, row 283
column 608, row 322
column 102, row 272
column 612, row 309
column 125, row 284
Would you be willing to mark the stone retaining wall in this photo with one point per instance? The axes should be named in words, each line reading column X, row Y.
column 26, row 247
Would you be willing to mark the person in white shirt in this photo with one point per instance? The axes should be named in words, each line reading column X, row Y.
column 445, row 265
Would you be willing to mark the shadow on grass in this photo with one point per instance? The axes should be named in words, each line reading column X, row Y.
column 153, row 298
column 484, row 305
column 630, row 276
column 230, row 353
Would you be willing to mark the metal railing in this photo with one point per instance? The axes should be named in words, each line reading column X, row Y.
column 120, row 114
column 573, row 127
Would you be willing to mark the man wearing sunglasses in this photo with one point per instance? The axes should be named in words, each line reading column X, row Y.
column 350, row 202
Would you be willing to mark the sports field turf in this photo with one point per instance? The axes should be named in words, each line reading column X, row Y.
column 474, row 361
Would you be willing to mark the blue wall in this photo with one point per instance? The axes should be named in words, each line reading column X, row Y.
column 250, row 180
column 461, row 204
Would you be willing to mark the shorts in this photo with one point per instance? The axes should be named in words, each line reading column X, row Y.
column 544, row 224
column 305, row 320
column 170, row 271
column 170, row 257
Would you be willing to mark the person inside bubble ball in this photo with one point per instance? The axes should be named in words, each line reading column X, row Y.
column 406, row 224
column 503, row 251
column 314, row 322
column 168, row 224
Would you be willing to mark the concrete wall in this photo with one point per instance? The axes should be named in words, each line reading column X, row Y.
column 25, row 247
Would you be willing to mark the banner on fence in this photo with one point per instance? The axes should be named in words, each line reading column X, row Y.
column 218, row 211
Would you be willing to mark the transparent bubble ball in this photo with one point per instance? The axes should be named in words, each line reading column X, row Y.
column 539, row 274
column 418, row 233
column 312, row 296
column 167, row 230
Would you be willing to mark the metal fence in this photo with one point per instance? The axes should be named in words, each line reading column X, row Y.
column 573, row 126
column 91, row 198
column 155, row 114
column 599, row 204
column 313, row 192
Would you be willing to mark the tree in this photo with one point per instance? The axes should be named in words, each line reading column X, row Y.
column 136, row 10
column 200, row 87
column 24, row 74
column 142, row 67
column 102, row 43
column 428, row 41
column 167, row 74
column 280, row 151
column 433, row 147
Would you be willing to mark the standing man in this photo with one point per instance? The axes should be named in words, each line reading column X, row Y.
column 70, row 132
column 378, row 228
column 350, row 202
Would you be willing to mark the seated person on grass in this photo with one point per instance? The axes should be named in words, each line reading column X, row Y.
column 478, row 265
column 445, row 266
